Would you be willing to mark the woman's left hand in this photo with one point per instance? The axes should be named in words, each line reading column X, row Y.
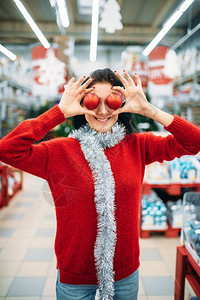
column 136, row 101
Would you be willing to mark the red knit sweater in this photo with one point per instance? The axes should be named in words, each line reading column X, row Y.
column 61, row 162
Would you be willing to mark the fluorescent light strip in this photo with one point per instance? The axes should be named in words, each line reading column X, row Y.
column 167, row 26
column 32, row 24
column 63, row 13
column 184, row 6
column 94, row 30
column 7, row 52
column 162, row 33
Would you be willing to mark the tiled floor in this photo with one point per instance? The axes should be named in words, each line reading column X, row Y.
column 27, row 260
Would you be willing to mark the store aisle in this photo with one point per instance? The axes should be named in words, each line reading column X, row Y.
column 27, row 260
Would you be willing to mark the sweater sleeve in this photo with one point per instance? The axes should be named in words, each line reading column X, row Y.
column 17, row 149
column 183, row 140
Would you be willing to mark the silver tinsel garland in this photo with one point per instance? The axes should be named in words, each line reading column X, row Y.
column 93, row 144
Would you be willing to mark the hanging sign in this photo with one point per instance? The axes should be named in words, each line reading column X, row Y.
column 159, row 84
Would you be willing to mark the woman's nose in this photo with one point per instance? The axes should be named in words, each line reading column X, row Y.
column 102, row 108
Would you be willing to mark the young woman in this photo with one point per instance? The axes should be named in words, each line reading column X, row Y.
column 95, row 176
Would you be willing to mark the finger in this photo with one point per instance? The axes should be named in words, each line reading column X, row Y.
column 123, row 80
column 120, row 90
column 89, row 90
column 117, row 87
column 84, row 86
column 78, row 82
column 71, row 81
column 138, row 80
column 129, row 78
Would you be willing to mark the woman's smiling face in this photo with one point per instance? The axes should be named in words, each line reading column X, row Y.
column 102, row 121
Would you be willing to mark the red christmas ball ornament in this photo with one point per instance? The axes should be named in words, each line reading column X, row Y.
column 114, row 101
column 91, row 101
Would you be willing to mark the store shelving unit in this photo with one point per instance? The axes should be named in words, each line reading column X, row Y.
column 191, row 78
column 172, row 189
column 15, row 83
column 15, row 91
column 5, row 172
column 12, row 104
column 186, row 268
column 190, row 109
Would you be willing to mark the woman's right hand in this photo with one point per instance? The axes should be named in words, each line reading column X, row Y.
column 74, row 92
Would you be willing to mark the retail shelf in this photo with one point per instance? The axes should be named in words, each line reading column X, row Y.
column 16, row 101
column 191, row 103
column 182, row 104
column 189, row 109
column 186, row 268
column 173, row 189
column 186, row 79
column 15, row 83
column 169, row 231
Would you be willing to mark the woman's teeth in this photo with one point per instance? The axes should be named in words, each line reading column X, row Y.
column 102, row 120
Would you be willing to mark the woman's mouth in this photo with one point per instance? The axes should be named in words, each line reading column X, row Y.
column 102, row 120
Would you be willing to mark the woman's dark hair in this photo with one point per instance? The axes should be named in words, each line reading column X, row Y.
column 107, row 75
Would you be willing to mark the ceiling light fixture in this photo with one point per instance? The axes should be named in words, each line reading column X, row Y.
column 85, row 6
column 32, row 24
column 94, row 30
column 168, row 25
column 63, row 12
column 7, row 52
column 62, row 16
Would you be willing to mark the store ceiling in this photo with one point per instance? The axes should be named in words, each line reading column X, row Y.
column 141, row 19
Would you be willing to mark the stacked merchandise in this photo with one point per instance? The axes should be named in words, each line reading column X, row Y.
column 174, row 213
column 157, row 173
column 153, row 213
column 190, row 70
column 187, row 92
column 189, row 60
column 185, row 169
column 180, row 170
